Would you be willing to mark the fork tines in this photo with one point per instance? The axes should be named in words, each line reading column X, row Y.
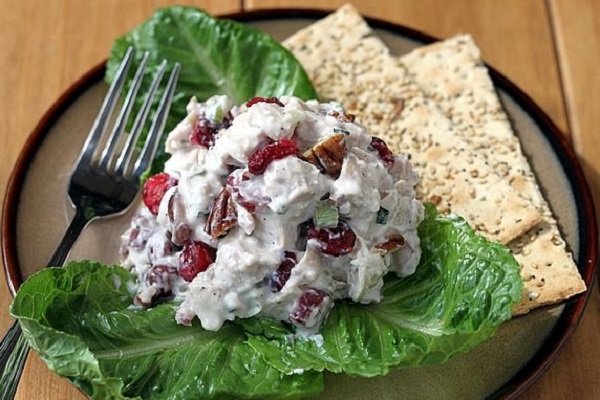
column 122, row 167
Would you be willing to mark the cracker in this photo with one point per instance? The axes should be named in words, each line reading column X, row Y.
column 346, row 62
column 338, row 49
column 452, row 73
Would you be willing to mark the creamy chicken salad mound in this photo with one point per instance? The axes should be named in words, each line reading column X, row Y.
column 277, row 208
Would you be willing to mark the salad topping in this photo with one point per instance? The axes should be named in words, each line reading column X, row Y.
column 277, row 207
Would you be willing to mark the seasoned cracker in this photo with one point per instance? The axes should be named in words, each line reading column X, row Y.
column 452, row 73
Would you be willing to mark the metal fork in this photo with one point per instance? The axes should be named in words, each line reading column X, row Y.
column 100, row 185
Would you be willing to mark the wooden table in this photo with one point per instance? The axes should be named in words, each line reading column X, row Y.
column 547, row 47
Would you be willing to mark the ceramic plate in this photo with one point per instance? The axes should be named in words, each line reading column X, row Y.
column 36, row 213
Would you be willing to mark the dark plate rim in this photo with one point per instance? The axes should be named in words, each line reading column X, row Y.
column 588, row 233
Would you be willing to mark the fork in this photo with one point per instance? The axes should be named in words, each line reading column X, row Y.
column 101, row 185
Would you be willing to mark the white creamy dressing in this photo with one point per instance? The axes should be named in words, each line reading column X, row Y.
column 286, row 194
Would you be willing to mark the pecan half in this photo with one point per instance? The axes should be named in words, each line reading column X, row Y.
column 180, row 231
column 393, row 242
column 343, row 116
column 222, row 216
column 327, row 155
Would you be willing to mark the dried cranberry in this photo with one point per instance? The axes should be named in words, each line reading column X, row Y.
column 162, row 278
column 195, row 257
column 137, row 238
column 283, row 272
column 333, row 241
column 205, row 130
column 308, row 306
column 384, row 152
column 261, row 158
column 203, row 133
column 258, row 99
column 155, row 188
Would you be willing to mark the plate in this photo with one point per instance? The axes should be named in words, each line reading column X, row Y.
column 36, row 211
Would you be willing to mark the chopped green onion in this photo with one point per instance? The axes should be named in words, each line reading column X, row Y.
column 382, row 216
column 326, row 215
column 340, row 130
column 219, row 115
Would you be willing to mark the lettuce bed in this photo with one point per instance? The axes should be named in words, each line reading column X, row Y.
column 78, row 319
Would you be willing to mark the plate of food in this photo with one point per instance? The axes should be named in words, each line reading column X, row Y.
column 421, row 230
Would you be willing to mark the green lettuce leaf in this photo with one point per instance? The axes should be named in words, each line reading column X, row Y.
column 80, row 322
column 78, row 319
column 463, row 289
column 217, row 56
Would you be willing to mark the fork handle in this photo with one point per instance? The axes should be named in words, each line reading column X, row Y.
column 14, row 348
column 79, row 221
column 13, row 354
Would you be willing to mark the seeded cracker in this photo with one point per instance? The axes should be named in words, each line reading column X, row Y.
column 346, row 62
column 452, row 73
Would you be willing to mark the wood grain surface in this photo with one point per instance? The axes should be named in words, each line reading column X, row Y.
column 549, row 48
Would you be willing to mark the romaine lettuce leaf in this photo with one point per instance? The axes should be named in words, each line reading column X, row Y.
column 78, row 319
column 80, row 322
column 217, row 56
column 464, row 287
